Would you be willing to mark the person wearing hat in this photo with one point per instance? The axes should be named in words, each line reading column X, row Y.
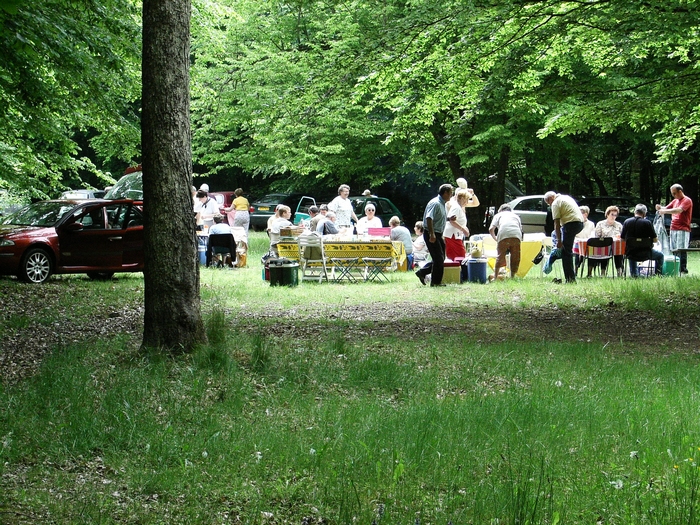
column 370, row 220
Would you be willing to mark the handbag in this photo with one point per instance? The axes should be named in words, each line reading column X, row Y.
column 538, row 258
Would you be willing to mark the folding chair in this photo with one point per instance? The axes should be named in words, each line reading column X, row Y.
column 312, row 258
column 221, row 244
column 345, row 267
column 376, row 266
column 638, row 249
column 600, row 250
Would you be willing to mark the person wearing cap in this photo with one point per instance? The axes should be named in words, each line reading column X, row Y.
column 370, row 220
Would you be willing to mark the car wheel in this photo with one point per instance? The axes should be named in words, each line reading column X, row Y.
column 36, row 266
column 100, row 276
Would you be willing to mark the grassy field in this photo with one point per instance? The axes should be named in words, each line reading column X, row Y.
column 369, row 403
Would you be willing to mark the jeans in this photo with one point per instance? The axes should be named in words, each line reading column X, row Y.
column 658, row 259
column 569, row 231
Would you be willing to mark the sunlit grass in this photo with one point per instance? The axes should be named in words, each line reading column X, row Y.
column 346, row 424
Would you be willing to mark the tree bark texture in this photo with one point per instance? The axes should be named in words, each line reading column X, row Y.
column 172, row 318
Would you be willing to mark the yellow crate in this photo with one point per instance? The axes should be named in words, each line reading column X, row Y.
column 451, row 275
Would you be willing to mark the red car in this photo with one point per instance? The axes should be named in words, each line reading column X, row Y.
column 97, row 237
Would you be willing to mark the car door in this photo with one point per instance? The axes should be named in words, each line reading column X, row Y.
column 87, row 241
column 302, row 211
column 132, row 245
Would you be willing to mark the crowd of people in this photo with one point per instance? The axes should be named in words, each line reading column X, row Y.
column 446, row 231
column 443, row 232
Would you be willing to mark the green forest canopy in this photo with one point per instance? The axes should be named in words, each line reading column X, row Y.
column 588, row 97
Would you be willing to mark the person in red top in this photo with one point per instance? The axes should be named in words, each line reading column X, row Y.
column 681, row 207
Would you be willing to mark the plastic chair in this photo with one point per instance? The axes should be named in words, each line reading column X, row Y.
column 598, row 249
column 312, row 258
column 638, row 249
column 221, row 244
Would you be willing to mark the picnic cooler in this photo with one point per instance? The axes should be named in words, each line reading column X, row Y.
column 202, row 250
column 671, row 265
column 477, row 268
column 283, row 272
column 452, row 272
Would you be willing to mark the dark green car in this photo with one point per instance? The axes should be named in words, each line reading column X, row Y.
column 385, row 208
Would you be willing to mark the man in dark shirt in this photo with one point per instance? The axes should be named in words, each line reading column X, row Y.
column 638, row 227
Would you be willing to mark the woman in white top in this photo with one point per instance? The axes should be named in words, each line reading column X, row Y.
column 370, row 220
column 456, row 230
column 282, row 221
column 420, row 249
column 342, row 206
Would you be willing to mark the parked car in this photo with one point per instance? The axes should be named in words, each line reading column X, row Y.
column 97, row 237
column 130, row 186
column 262, row 209
column 385, row 209
column 82, row 194
column 532, row 211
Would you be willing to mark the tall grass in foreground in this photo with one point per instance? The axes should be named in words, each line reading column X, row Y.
column 337, row 429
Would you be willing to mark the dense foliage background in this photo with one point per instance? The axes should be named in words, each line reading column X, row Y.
column 590, row 97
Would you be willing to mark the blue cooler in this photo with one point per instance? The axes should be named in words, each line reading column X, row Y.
column 478, row 270
column 202, row 249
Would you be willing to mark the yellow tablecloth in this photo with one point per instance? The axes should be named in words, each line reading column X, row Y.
column 360, row 249
column 528, row 250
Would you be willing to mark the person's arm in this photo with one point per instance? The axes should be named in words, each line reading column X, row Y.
column 662, row 210
column 557, row 228
column 430, row 228
column 473, row 200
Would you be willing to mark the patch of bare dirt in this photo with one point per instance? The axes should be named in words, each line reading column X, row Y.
column 27, row 338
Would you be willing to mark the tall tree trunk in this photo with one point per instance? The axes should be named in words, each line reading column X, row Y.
column 172, row 318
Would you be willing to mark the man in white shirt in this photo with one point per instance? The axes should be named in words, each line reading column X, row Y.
column 508, row 238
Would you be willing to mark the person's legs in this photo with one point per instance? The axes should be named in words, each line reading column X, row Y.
column 501, row 250
column 513, row 246
column 680, row 240
column 658, row 259
column 569, row 231
column 634, row 271
column 437, row 252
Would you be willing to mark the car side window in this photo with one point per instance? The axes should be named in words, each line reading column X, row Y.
column 116, row 215
column 91, row 219
column 135, row 217
column 530, row 205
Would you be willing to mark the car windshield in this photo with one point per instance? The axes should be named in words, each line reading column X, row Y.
column 272, row 198
column 128, row 187
column 45, row 213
